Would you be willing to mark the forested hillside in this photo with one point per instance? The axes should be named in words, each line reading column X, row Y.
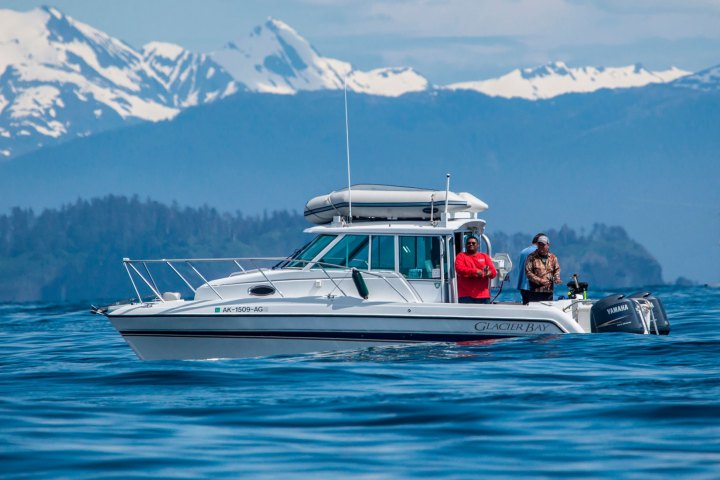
column 74, row 253
column 629, row 157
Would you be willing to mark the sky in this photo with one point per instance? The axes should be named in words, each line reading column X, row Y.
column 445, row 40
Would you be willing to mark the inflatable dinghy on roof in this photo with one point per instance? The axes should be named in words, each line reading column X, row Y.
column 376, row 202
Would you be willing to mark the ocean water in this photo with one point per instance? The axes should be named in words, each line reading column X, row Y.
column 75, row 402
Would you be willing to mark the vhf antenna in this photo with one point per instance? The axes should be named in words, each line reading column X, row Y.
column 347, row 148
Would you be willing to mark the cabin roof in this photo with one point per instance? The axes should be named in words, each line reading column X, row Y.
column 395, row 227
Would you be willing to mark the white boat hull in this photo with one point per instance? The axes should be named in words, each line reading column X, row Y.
column 189, row 331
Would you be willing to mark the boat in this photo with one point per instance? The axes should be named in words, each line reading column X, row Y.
column 378, row 272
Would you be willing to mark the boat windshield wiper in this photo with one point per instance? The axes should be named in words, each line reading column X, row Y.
column 292, row 256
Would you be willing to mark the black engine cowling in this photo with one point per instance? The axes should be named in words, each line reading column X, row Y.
column 616, row 313
column 663, row 324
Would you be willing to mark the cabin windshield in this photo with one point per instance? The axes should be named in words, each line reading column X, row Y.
column 311, row 251
column 350, row 251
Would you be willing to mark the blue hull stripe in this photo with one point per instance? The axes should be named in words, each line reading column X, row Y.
column 310, row 335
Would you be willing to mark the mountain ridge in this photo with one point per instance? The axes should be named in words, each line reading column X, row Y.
column 179, row 71
column 556, row 78
column 275, row 58
column 62, row 79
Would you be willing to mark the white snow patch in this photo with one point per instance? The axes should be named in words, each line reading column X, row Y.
column 126, row 104
column 151, row 111
column 671, row 74
column 276, row 89
column 54, row 129
column 556, row 78
column 34, row 101
column 230, row 89
column 125, row 78
column 387, row 81
column 171, row 51
column 23, row 36
column 191, row 100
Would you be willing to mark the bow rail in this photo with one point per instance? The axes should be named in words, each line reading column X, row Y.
column 136, row 267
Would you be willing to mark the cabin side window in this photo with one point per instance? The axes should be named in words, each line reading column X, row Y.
column 420, row 257
column 382, row 256
column 351, row 251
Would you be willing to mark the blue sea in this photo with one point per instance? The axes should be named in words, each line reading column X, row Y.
column 75, row 402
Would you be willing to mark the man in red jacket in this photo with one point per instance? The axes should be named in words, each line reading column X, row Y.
column 474, row 271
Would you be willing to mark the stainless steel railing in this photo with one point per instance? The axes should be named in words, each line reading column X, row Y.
column 135, row 266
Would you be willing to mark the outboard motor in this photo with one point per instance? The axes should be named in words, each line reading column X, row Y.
column 616, row 313
column 661, row 320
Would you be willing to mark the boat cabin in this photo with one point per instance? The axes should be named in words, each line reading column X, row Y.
column 422, row 252
column 398, row 240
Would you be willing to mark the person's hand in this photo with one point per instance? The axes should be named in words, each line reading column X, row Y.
column 558, row 281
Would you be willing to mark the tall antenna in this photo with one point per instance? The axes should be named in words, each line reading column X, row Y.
column 347, row 148
column 447, row 193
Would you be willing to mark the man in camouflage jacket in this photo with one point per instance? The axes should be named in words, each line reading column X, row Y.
column 543, row 271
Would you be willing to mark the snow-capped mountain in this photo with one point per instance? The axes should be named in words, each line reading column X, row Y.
column 274, row 58
column 63, row 78
column 60, row 78
column 556, row 78
column 189, row 78
column 705, row 80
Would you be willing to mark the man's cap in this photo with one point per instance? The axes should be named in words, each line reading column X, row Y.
column 537, row 235
column 543, row 239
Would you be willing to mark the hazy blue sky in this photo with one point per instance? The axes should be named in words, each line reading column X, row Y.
column 446, row 40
